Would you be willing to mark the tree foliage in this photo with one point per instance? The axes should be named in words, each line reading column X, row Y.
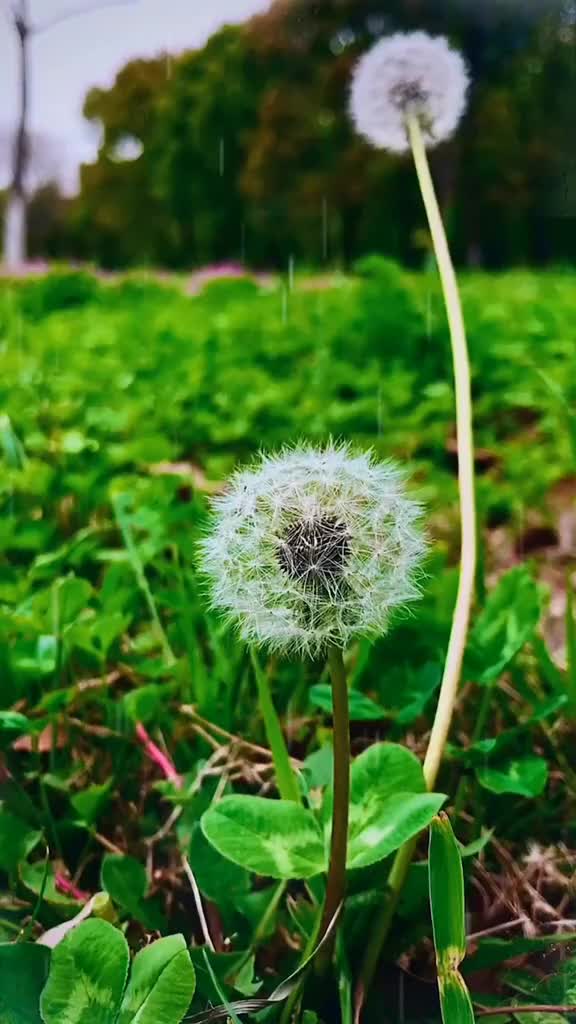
column 246, row 150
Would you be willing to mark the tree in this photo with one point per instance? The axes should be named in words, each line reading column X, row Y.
column 14, row 247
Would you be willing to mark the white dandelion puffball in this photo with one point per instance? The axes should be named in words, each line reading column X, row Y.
column 312, row 547
column 408, row 73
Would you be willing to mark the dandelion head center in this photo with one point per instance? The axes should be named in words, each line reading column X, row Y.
column 408, row 96
column 314, row 551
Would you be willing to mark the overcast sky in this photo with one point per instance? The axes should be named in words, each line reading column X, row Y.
column 88, row 50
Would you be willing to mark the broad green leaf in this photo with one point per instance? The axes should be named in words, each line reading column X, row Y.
column 23, row 973
column 420, row 689
column 17, row 840
column 218, row 878
column 526, row 776
column 32, row 876
column 318, row 768
column 161, row 985
column 124, row 879
column 276, row 838
column 360, row 707
column 90, row 802
column 382, row 770
column 143, row 704
column 390, row 824
column 14, row 722
column 508, row 620
column 388, row 803
column 87, row 976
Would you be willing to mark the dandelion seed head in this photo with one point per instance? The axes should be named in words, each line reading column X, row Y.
column 313, row 546
column 408, row 73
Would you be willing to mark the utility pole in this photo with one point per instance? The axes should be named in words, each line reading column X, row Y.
column 15, row 219
column 15, row 214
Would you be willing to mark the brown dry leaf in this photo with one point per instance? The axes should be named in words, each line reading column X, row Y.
column 44, row 742
column 188, row 471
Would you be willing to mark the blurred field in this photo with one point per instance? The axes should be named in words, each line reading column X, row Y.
column 125, row 403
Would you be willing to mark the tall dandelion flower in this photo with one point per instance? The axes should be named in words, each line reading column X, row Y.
column 409, row 92
column 408, row 74
column 308, row 549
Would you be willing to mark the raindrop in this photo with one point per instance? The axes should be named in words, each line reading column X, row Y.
column 324, row 228
column 344, row 38
column 376, row 24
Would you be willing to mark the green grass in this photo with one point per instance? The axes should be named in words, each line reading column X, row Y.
column 122, row 405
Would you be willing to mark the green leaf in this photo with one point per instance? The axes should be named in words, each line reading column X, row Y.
column 492, row 952
column 360, row 707
column 23, row 973
column 219, row 879
column 286, row 778
column 234, row 971
column 41, row 880
column 388, row 803
column 526, row 776
column 448, row 921
column 87, row 976
column 14, row 722
column 161, row 985
column 275, row 838
column 143, row 704
column 455, row 1000
column 421, row 687
column 17, row 840
column 446, row 893
column 508, row 620
column 390, row 824
column 124, row 879
column 90, row 802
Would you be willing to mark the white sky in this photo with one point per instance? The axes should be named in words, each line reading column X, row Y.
column 87, row 50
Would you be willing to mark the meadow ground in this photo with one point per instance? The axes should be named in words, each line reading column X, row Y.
column 127, row 707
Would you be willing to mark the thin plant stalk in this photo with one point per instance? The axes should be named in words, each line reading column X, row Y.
column 465, row 446
column 466, row 584
column 336, row 882
column 285, row 778
column 137, row 566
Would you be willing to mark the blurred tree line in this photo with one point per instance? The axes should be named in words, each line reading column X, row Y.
column 243, row 150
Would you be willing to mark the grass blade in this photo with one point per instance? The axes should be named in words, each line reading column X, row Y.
column 448, row 921
column 285, row 777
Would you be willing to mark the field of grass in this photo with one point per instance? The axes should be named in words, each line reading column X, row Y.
column 127, row 708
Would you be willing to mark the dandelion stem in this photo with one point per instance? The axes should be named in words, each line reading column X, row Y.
column 336, row 882
column 461, row 616
column 465, row 446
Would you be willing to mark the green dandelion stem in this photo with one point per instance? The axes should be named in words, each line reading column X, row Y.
column 461, row 616
column 465, row 445
column 336, row 882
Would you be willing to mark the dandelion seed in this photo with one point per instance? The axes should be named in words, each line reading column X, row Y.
column 408, row 74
